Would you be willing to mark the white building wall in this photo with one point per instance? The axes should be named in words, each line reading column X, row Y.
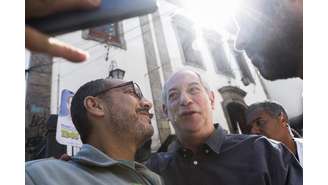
column 133, row 61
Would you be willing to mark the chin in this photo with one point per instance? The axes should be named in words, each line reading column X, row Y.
column 193, row 126
column 144, row 133
column 277, row 74
column 148, row 133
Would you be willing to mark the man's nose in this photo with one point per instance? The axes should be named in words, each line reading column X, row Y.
column 146, row 103
column 185, row 99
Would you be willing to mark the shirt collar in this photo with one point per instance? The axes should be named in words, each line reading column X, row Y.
column 214, row 142
column 90, row 155
column 216, row 139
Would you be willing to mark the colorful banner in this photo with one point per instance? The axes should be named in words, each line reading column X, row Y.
column 66, row 133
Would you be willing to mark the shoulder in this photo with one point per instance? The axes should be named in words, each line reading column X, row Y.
column 252, row 140
column 267, row 145
column 242, row 140
column 50, row 171
column 299, row 140
column 43, row 162
column 237, row 138
column 273, row 152
column 39, row 162
column 48, row 165
column 255, row 144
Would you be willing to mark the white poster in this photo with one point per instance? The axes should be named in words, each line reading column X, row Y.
column 66, row 133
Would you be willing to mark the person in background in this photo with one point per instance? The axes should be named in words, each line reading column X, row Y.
column 270, row 119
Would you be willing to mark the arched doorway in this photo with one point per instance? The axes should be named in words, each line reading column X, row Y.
column 237, row 119
column 234, row 108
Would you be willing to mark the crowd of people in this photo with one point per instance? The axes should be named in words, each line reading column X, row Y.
column 113, row 119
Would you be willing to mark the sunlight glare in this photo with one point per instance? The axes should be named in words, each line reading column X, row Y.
column 213, row 14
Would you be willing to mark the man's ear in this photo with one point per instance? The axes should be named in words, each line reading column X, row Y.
column 165, row 111
column 212, row 99
column 283, row 119
column 94, row 106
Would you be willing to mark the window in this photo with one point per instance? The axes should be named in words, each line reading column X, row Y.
column 186, row 35
column 246, row 75
column 111, row 34
column 216, row 46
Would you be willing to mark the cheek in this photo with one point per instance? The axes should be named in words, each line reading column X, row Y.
column 172, row 107
column 123, row 106
column 172, row 111
column 203, row 102
column 268, row 130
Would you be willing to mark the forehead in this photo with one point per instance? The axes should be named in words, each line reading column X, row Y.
column 182, row 79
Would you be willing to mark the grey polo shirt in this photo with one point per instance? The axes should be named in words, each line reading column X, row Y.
column 89, row 166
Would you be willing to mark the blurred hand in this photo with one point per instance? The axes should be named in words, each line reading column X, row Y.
column 39, row 42
column 65, row 157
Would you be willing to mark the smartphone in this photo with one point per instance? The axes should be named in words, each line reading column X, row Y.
column 109, row 11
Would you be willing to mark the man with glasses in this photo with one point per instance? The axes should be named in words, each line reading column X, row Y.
column 271, row 120
column 113, row 120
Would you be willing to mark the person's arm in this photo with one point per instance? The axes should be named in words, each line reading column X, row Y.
column 294, row 171
column 280, row 164
column 39, row 42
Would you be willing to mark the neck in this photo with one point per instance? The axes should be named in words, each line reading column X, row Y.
column 289, row 142
column 111, row 145
column 193, row 141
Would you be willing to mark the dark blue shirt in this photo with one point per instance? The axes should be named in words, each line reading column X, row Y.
column 229, row 159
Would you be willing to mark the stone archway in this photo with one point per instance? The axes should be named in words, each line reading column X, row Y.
column 234, row 108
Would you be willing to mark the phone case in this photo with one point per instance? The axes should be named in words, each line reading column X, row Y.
column 109, row 11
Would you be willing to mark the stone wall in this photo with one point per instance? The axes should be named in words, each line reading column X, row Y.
column 37, row 104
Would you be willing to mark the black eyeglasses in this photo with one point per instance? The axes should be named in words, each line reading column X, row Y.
column 135, row 87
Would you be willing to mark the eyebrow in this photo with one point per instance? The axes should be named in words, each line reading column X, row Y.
column 194, row 83
column 172, row 89
column 190, row 84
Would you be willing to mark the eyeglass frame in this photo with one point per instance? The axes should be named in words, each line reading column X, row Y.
column 134, row 85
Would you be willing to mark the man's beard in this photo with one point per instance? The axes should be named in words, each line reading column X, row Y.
column 128, row 126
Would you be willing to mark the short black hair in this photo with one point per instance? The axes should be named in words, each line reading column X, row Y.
column 272, row 108
column 78, row 111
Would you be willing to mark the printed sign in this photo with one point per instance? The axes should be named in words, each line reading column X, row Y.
column 66, row 133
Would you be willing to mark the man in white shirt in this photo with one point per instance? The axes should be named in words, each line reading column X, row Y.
column 270, row 119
